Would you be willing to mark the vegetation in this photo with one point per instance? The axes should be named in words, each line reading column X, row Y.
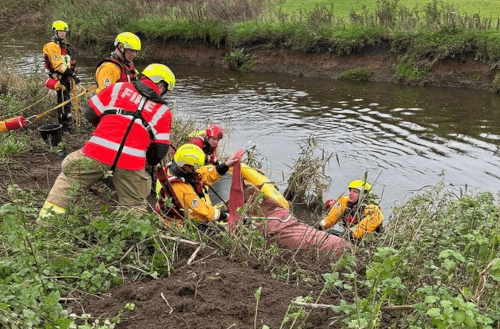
column 308, row 182
column 423, row 32
column 359, row 74
column 436, row 265
column 343, row 8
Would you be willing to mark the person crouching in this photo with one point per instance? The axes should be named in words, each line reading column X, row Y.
column 183, row 181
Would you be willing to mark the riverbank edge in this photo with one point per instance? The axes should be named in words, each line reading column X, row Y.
column 377, row 60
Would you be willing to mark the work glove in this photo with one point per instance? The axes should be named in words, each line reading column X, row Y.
column 58, row 86
column 76, row 79
column 69, row 72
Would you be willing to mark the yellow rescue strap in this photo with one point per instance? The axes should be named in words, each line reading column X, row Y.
column 33, row 118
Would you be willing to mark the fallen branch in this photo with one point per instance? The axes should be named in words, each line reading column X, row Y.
column 313, row 305
column 142, row 271
column 130, row 249
column 193, row 256
column 166, row 301
column 192, row 243
column 386, row 308
column 397, row 307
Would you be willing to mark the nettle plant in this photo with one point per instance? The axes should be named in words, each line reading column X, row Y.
column 437, row 264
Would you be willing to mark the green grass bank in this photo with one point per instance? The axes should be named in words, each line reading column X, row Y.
column 254, row 35
column 423, row 42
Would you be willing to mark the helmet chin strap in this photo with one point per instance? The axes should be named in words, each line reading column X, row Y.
column 56, row 36
column 122, row 52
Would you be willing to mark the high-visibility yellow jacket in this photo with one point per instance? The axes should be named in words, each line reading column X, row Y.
column 112, row 70
column 57, row 59
column 371, row 218
column 196, row 206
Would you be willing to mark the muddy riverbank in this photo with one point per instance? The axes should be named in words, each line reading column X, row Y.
column 379, row 61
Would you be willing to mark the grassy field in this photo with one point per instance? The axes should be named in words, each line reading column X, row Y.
column 485, row 8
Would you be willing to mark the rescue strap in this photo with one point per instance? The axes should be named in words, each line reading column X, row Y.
column 165, row 183
column 33, row 118
column 136, row 115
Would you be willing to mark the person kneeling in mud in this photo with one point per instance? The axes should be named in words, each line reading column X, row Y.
column 183, row 181
column 356, row 212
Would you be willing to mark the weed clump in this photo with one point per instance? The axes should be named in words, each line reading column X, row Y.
column 308, row 181
column 358, row 74
column 239, row 60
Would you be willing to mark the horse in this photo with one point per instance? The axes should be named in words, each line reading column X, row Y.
column 282, row 226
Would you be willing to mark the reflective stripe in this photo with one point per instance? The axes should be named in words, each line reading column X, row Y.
column 49, row 208
column 114, row 146
column 159, row 113
column 164, row 137
column 97, row 103
column 114, row 94
column 154, row 120
column 216, row 214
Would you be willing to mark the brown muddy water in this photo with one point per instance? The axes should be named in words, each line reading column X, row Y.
column 405, row 138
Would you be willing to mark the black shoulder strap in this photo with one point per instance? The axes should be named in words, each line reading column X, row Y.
column 148, row 92
column 137, row 114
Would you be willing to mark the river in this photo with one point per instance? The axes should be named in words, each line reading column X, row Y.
column 405, row 138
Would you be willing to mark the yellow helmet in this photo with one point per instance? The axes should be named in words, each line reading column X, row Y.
column 160, row 72
column 129, row 40
column 60, row 26
column 360, row 185
column 189, row 154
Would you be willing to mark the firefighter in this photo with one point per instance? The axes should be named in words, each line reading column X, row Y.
column 61, row 70
column 183, row 181
column 119, row 66
column 132, row 130
column 208, row 142
column 356, row 212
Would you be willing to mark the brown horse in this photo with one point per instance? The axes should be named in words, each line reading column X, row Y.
column 282, row 227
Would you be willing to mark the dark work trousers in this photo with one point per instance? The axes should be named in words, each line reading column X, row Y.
column 64, row 112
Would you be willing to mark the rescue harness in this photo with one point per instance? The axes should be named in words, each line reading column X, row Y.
column 147, row 94
column 127, row 72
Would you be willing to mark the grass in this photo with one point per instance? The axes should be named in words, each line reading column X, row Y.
column 420, row 32
column 420, row 35
column 358, row 74
column 485, row 8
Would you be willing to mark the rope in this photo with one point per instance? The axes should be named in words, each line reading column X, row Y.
column 38, row 116
column 27, row 107
column 77, row 114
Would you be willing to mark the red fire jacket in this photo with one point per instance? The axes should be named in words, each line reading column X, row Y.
column 110, row 130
